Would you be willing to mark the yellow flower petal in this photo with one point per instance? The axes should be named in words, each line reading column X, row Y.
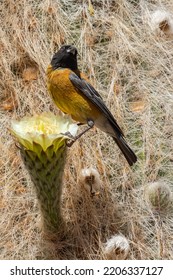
column 45, row 129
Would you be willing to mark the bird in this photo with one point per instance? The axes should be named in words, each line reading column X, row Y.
column 74, row 95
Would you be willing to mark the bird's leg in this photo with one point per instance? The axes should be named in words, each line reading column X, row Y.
column 90, row 125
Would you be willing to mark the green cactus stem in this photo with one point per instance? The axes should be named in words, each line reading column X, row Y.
column 42, row 142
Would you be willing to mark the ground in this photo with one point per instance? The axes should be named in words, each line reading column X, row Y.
column 132, row 68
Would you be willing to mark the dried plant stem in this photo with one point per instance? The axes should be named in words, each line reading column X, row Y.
column 160, row 237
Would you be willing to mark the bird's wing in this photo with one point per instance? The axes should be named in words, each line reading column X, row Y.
column 87, row 90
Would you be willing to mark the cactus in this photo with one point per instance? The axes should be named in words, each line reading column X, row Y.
column 158, row 195
column 42, row 139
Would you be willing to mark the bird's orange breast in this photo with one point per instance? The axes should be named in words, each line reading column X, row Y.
column 67, row 98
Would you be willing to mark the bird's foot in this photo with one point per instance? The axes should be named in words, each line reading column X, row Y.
column 73, row 139
column 70, row 141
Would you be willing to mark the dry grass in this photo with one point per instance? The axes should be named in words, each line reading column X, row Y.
column 116, row 47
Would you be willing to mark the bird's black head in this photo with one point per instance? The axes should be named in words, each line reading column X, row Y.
column 66, row 57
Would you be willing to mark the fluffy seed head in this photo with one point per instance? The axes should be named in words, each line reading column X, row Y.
column 162, row 22
column 117, row 247
column 90, row 179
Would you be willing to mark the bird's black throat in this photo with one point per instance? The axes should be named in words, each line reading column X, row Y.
column 64, row 61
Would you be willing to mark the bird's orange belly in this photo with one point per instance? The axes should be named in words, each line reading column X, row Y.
column 68, row 99
column 71, row 102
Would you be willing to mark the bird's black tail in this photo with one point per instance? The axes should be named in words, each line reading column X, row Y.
column 126, row 150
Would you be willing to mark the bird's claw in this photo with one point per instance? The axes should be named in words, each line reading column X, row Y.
column 70, row 141
column 73, row 139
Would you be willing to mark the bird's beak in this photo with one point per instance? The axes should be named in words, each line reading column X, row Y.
column 72, row 50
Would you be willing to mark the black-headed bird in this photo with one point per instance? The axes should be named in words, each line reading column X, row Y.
column 74, row 95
